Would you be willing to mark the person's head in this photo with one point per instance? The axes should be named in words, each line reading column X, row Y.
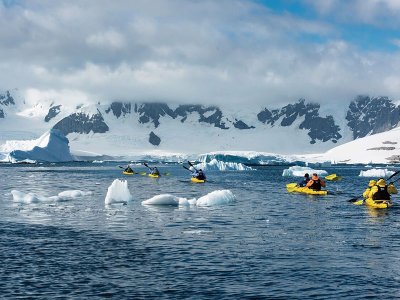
column 381, row 182
column 200, row 170
column 314, row 176
column 306, row 175
column 371, row 183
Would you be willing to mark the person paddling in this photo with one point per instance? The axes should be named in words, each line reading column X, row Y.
column 315, row 183
column 382, row 191
column 199, row 174
column 305, row 180
column 154, row 171
column 368, row 189
column 128, row 169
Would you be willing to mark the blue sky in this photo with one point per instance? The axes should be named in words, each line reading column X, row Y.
column 225, row 51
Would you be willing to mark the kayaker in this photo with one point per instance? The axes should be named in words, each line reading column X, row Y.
column 199, row 174
column 382, row 191
column 154, row 171
column 305, row 180
column 128, row 169
column 315, row 183
column 368, row 189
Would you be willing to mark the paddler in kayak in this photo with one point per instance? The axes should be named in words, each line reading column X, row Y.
column 382, row 191
column 128, row 169
column 155, row 172
column 199, row 174
column 315, row 183
column 305, row 180
column 368, row 189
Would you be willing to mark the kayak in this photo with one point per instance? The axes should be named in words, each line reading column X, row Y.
column 333, row 177
column 128, row 173
column 378, row 203
column 193, row 179
column 154, row 176
column 293, row 188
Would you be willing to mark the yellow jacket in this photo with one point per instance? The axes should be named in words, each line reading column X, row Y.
column 366, row 192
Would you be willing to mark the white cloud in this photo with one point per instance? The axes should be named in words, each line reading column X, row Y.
column 183, row 51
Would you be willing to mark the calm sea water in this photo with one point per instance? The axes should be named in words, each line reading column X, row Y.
column 268, row 244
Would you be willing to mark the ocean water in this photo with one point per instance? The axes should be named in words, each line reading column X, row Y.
column 267, row 244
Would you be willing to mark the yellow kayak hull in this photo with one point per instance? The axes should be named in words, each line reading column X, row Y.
column 197, row 180
column 293, row 188
column 128, row 173
column 333, row 177
column 378, row 203
column 154, row 176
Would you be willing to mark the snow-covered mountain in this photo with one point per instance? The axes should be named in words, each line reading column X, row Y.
column 131, row 128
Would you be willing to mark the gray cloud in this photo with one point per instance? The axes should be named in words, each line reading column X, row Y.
column 183, row 51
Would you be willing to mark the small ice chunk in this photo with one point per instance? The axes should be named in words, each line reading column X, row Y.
column 298, row 171
column 379, row 173
column 219, row 197
column 73, row 194
column 27, row 197
column 118, row 192
column 163, row 199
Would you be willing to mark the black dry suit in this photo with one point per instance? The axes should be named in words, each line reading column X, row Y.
column 381, row 194
column 316, row 185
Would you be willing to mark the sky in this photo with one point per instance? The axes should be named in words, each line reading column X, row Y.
column 225, row 52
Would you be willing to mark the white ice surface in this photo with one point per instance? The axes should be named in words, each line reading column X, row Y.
column 378, row 173
column 118, row 192
column 298, row 171
column 215, row 165
column 27, row 198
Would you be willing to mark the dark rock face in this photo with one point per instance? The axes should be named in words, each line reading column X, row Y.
column 151, row 112
column 154, row 139
column 241, row 125
column 211, row 115
column 82, row 123
column 53, row 111
column 6, row 99
column 319, row 128
column 372, row 115
column 119, row 108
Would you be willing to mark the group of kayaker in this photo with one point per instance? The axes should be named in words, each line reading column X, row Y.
column 197, row 174
column 379, row 190
column 315, row 183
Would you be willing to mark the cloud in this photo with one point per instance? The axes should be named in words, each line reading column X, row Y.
column 215, row 52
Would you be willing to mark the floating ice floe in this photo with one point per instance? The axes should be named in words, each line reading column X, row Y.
column 215, row 165
column 298, row 171
column 376, row 173
column 27, row 198
column 118, row 192
column 98, row 161
column 215, row 198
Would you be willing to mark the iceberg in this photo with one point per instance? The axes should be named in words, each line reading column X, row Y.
column 215, row 165
column 50, row 147
column 215, row 198
column 118, row 192
column 248, row 157
column 297, row 171
column 28, row 198
column 379, row 173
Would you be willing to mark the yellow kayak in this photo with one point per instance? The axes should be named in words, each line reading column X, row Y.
column 333, row 177
column 154, row 176
column 128, row 173
column 378, row 203
column 293, row 188
column 193, row 179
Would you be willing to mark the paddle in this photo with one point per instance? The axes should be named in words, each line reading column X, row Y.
column 187, row 168
column 190, row 164
column 357, row 201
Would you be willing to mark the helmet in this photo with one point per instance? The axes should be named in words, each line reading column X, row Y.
column 381, row 182
column 371, row 183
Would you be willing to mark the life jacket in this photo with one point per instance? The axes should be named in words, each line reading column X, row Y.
column 381, row 194
column 316, row 185
column 201, row 176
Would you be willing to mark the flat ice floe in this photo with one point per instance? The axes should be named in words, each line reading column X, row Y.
column 298, row 171
column 215, row 198
column 27, row 198
column 118, row 192
column 379, row 173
